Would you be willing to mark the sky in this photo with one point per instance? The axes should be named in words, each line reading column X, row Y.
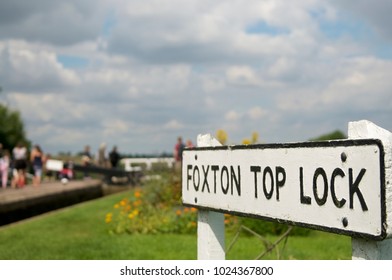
column 140, row 73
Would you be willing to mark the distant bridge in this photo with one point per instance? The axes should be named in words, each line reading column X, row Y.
column 112, row 175
column 131, row 164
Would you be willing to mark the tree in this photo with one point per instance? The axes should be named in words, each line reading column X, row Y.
column 335, row 135
column 11, row 128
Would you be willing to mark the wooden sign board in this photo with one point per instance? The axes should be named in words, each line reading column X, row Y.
column 336, row 186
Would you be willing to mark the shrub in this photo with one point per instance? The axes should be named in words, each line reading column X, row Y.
column 155, row 208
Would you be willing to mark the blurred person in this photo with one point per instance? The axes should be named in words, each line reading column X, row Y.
column 102, row 155
column 66, row 173
column 178, row 148
column 86, row 160
column 37, row 159
column 4, row 165
column 19, row 154
column 114, row 157
column 189, row 143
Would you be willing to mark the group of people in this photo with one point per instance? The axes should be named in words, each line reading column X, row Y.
column 102, row 160
column 178, row 149
column 18, row 162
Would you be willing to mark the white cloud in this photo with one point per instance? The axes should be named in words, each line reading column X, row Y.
column 52, row 21
column 365, row 84
column 173, row 125
column 232, row 116
column 211, row 84
column 282, row 68
column 377, row 14
column 242, row 75
column 157, row 69
column 112, row 128
column 27, row 67
column 256, row 113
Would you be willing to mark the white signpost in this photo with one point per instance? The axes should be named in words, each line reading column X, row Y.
column 335, row 186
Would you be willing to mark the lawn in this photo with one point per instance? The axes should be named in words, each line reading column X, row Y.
column 80, row 233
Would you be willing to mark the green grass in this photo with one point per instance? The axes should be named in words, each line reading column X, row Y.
column 317, row 246
column 80, row 233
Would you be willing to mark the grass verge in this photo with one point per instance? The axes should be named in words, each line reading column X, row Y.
column 80, row 233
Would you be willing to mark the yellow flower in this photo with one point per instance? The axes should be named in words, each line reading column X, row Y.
column 133, row 214
column 123, row 202
column 108, row 217
column 137, row 194
column 137, row 203
column 116, row 205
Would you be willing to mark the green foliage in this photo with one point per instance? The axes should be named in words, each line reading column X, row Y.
column 154, row 208
column 335, row 135
column 11, row 128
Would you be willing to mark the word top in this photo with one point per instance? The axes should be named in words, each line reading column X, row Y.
column 336, row 186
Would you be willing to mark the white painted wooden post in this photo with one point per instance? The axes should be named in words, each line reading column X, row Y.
column 367, row 249
column 210, row 225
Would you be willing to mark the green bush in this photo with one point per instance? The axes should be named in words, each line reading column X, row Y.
column 154, row 208
column 160, row 167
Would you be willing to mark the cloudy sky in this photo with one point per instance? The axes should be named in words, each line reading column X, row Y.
column 139, row 73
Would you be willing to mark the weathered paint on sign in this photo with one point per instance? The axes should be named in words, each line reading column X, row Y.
column 336, row 186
